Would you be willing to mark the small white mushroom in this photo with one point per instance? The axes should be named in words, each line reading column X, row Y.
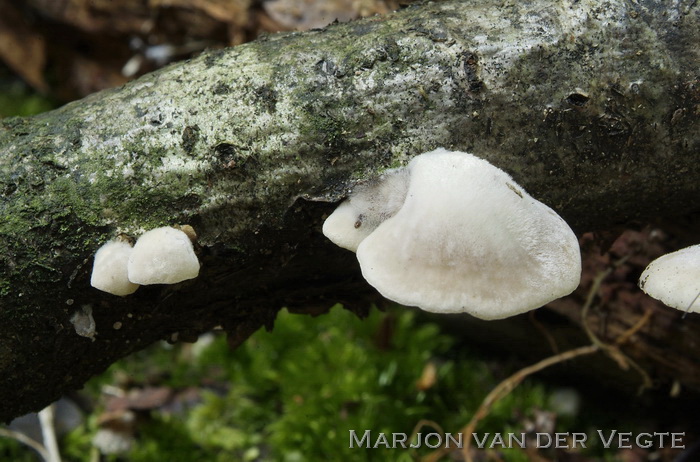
column 109, row 270
column 162, row 256
column 367, row 208
column 468, row 239
column 674, row 279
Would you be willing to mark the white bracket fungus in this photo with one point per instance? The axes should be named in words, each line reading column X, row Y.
column 461, row 236
column 370, row 205
column 674, row 279
column 163, row 256
column 109, row 271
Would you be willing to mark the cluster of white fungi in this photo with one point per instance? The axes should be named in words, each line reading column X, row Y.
column 160, row 256
column 448, row 233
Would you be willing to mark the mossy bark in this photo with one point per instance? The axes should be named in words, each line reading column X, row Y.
column 592, row 106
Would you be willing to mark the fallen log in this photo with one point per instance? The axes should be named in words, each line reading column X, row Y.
column 591, row 107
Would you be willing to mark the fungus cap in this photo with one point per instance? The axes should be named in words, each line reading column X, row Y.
column 370, row 204
column 163, row 256
column 674, row 279
column 109, row 270
column 469, row 239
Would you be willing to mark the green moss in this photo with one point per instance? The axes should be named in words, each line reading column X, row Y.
column 14, row 451
column 5, row 287
column 294, row 393
column 17, row 99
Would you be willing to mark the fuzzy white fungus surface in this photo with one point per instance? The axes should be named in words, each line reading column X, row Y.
column 674, row 279
column 367, row 208
column 468, row 239
column 109, row 270
column 163, row 256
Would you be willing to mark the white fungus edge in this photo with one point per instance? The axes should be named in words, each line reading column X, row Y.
column 674, row 279
column 109, row 269
column 163, row 256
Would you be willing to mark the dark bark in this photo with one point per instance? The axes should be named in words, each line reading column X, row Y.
column 592, row 107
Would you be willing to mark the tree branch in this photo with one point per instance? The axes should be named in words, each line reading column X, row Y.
column 591, row 106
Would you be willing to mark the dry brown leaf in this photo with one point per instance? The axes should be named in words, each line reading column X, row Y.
column 95, row 44
column 21, row 47
column 428, row 377
column 229, row 11
column 310, row 14
column 124, row 16
column 141, row 399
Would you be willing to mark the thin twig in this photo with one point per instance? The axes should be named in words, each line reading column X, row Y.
column 502, row 390
column 687, row 310
column 48, row 432
column 423, row 423
column 24, row 439
column 508, row 385
column 622, row 360
column 623, row 338
column 592, row 292
column 641, row 322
